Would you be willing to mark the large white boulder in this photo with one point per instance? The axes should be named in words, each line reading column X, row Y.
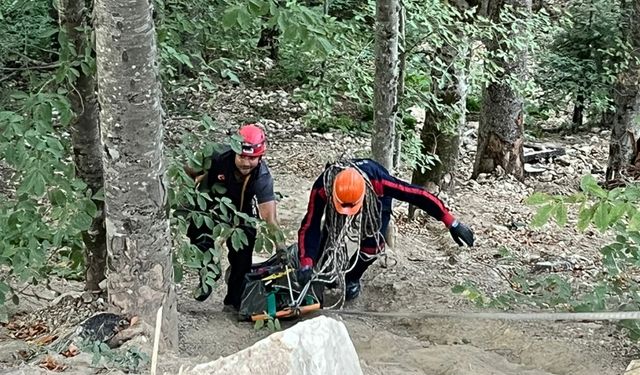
column 318, row 346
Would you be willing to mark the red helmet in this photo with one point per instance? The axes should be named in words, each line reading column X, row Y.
column 254, row 141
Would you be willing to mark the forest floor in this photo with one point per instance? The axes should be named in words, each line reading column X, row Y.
column 425, row 263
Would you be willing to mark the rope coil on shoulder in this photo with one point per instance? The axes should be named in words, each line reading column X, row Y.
column 340, row 229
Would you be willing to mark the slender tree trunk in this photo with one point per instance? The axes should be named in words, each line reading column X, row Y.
column 606, row 121
column 625, row 130
column 386, row 82
column 269, row 40
column 578, row 109
column 85, row 134
column 501, row 130
column 140, row 271
column 402, row 63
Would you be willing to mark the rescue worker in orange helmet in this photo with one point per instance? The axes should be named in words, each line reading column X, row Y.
column 347, row 197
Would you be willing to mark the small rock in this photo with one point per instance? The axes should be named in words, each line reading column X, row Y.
column 482, row 177
column 564, row 160
column 328, row 136
column 546, row 177
column 533, row 168
column 87, row 297
column 586, row 149
column 633, row 368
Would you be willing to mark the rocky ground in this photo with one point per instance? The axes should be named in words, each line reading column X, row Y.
column 422, row 267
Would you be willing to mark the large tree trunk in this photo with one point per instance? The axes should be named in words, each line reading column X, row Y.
column 625, row 130
column 85, row 134
column 386, row 82
column 140, row 272
column 501, row 130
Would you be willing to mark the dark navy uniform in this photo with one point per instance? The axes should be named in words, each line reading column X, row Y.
column 312, row 238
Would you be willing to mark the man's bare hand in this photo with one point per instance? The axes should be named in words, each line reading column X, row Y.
column 193, row 173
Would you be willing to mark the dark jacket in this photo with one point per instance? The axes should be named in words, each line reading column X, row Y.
column 257, row 185
column 385, row 186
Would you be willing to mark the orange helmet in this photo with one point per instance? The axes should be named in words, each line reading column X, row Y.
column 349, row 188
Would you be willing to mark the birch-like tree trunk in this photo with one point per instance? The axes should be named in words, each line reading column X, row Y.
column 402, row 66
column 140, row 271
column 85, row 135
column 386, row 82
column 501, row 130
column 625, row 130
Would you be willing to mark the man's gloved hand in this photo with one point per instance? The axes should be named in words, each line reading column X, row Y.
column 303, row 275
column 461, row 233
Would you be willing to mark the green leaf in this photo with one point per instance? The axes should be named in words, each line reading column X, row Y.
column 617, row 211
column 542, row 216
column 242, row 237
column 590, row 185
column 585, row 216
column 202, row 204
column 259, row 245
column 235, row 241
column 601, row 217
column 561, row 214
column 538, row 198
column 81, row 221
column 258, row 325
column 209, row 124
column 209, row 222
column 632, row 193
column 89, row 207
column 575, row 198
column 39, row 185
column 458, row 289
column 227, row 73
column 634, row 223
column 57, row 197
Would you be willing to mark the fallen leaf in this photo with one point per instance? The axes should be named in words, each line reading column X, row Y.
column 45, row 340
column 134, row 320
column 72, row 351
column 36, row 329
column 51, row 364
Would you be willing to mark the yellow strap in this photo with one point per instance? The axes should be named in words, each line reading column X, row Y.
column 277, row 275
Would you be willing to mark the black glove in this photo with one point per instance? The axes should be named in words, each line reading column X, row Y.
column 303, row 275
column 461, row 233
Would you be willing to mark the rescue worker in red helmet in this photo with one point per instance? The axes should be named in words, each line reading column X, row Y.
column 247, row 181
column 347, row 196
